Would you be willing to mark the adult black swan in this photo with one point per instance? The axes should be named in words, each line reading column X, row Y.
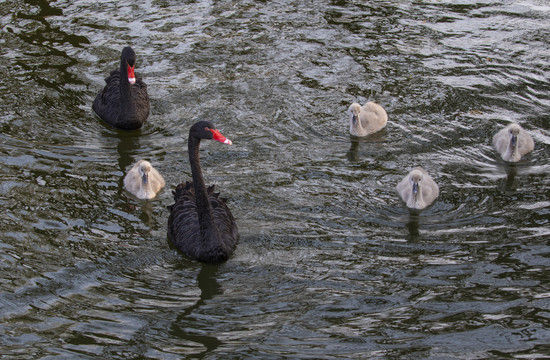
column 123, row 102
column 200, row 223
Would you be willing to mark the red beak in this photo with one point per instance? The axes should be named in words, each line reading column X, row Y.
column 131, row 76
column 219, row 137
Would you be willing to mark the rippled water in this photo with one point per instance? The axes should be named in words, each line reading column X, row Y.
column 330, row 263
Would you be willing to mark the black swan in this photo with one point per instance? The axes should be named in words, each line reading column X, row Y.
column 200, row 223
column 123, row 102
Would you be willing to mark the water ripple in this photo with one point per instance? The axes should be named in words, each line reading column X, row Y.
column 330, row 264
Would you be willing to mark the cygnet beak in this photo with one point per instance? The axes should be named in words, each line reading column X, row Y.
column 514, row 140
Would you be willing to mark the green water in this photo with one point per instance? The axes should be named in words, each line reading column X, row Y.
column 330, row 263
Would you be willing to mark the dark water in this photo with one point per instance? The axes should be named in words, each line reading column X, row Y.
column 330, row 263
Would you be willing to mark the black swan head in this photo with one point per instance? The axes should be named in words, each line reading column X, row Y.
column 128, row 58
column 207, row 130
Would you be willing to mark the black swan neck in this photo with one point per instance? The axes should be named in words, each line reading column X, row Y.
column 201, row 196
column 125, row 86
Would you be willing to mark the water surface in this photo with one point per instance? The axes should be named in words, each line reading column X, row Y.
column 330, row 263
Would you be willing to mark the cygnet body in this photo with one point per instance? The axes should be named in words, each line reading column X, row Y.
column 513, row 142
column 366, row 119
column 143, row 180
column 418, row 189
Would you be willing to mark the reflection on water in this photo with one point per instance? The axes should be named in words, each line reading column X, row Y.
column 184, row 325
column 331, row 264
column 511, row 183
column 413, row 227
column 128, row 144
column 375, row 141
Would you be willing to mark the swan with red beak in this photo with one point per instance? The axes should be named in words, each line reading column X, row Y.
column 200, row 224
column 123, row 103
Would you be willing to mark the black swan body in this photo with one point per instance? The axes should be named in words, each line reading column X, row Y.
column 123, row 102
column 200, row 224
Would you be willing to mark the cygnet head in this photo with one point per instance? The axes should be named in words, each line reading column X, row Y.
column 144, row 170
column 416, row 180
column 354, row 110
column 514, row 130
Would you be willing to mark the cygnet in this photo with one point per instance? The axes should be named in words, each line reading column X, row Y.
column 367, row 119
column 418, row 189
column 513, row 142
column 143, row 180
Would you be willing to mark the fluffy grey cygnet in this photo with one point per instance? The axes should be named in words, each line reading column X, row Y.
column 513, row 142
column 143, row 180
column 366, row 119
column 418, row 189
